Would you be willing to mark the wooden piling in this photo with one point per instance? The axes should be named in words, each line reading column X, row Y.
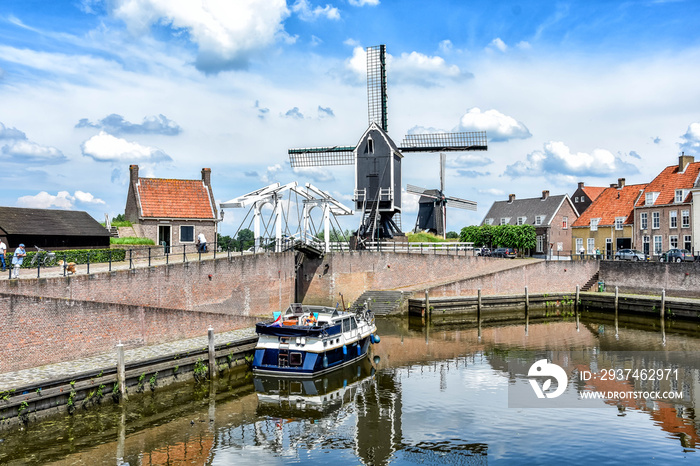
column 212, row 355
column 663, row 304
column 427, row 303
column 478, row 312
column 577, row 301
column 121, row 370
column 616, row 302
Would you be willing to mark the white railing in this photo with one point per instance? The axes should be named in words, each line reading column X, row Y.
column 450, row 247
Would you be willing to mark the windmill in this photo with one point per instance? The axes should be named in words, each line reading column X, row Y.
column 432, row 210
column 377, row 158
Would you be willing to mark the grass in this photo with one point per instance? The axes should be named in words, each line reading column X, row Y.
column 124, row 223
column 131, row 240
column 425, row 238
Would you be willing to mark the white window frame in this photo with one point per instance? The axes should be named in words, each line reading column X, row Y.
column 565, row 223
column 673, row 241
column 488, row 221
column 540, row 243
column 644, row 220
column 673, row 219
column 579, row 245
column 594, row 224
column 590, row 245
column 658, row 244
column 687, row 242
column 619, row 222
column 576, row 199
column 650, row 198
column 655, row 220
column 522, row 220
column 539, row 219
column 685, row 218
column 505, row 220
column 679, row 197
column 194, row 237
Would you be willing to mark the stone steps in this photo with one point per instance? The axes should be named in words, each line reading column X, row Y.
column 380, row 302
column 590, row 283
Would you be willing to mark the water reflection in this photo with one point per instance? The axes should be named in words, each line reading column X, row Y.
column 438, row 395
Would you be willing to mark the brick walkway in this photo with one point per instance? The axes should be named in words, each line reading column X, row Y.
column 37, row 375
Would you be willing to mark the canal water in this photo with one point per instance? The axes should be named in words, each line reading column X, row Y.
column 427, row 395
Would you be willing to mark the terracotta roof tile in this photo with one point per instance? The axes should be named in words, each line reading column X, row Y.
column 668, row 181
column 167, row 198
column 593, row 191
column 611, row 203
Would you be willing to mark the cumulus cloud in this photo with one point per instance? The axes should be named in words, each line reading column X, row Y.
column 413, row 68
column 307, row 13
column 104, row 147
column 557, row 158
column 226, row 33
column 467, row 160
column 325, row 112
column 498, row 44
column 691, row 140
column 62, row 200
column 492, row 191
column 116, row 124
column 272, row 174
column 363, row 2
column 262, row 111
column 294, row 113
column 498, row 127
column 633, row 153
column 19, row 149
column 317, row 174
column 472, row 173
column 11, row 133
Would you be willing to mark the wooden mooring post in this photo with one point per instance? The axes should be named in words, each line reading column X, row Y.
column 527, row 311
column 576, row 305
column 212, row 355
column 478, row 312
column 616, row 309
column 427, row 303
column 121, row 370
column 663, row 317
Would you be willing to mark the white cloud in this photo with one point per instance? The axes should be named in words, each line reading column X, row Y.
column 226, row 32
column 317, row 174
column 492, row 192
column 498, row 127
column 44, row 200
column 363, row 2
column 272, row 174
column 307, row 13
column 691, row 140
column 104, row 147
column 557, row 158
column 31, row 152
column 87, row 198
column 498, row 44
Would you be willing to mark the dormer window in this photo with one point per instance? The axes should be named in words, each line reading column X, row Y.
column 680, row 195
column 594, row 224
column 650, row 198
column 539, row 219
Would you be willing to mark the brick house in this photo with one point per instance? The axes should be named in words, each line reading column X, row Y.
column 608, row 223
column 172, row 212
column 663, row 214
column 584, row 196
column 551, row 216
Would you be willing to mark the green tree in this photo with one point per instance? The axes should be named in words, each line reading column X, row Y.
column 452, row 235
column 246, row 239
column 335, row 235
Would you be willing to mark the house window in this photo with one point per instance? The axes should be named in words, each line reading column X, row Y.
column 685, row 218
column 591, row 245
column 643, row 219
column 539, row 219
column 187, row 234
column 679, row 196
column 505, row 220
column 687, row 242
column 658, row 245
column 618, row 222
column 650, row 198
column 645, row 244
column 540, row 243
column 576, row 199
column 583, row 198
column 673, row 241
column 594, row 224
column 488, row 221
column 655, row 220
column 565, row 223
column 522, row 220
column 370, row 146
column 673, row 219
column 579, row 244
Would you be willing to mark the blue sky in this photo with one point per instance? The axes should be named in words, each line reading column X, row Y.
column 567, row 91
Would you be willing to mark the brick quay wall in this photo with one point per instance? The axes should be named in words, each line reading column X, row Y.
column 678, row 279
column 37, row 331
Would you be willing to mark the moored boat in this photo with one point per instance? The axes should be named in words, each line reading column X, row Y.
column 309, row 340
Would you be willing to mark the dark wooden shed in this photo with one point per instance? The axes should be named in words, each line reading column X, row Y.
column 49, row 228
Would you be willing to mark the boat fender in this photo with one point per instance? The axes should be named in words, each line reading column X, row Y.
column 345, row 349
column 377, row 359
column 374, row 338
column 325, row 361
column 359, row 350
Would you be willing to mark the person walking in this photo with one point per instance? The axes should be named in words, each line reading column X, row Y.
column 202, row 243
column 3, row 250
column 17, row 260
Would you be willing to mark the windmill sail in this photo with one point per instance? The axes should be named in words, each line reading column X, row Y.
column 321, row 156
column 376, row 85
column 436, row 142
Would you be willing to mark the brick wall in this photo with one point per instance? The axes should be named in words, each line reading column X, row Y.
column 680, row 280
column 355, row 272
column 245, row 285
column 38, row 331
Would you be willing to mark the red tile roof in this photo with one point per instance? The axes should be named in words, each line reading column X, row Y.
column 669, row 180
column 593, row 191
column 166, row 198
column 609, row 205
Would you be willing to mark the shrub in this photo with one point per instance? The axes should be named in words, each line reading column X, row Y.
column 80, row 256
column 131, row 240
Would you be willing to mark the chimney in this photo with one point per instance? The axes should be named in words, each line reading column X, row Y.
column 134, row 173
column 684, row 160
column 613, row 185
column 620, row 183
column 545, row 195
column 580, row 185
column 511, row 197
column 206, row 176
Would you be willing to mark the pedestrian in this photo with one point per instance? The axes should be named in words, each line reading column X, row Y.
column 17, row 260
column 202, row 242
column 3, row 250
column 582, row 251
